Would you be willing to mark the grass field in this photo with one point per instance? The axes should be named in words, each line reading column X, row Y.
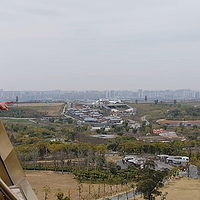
column 195, row 104
column 155, row 112
column 17, row 121
column 67, row 184
column 31, row 109
column 52, row 109
column 152, row 111
column 178, row 189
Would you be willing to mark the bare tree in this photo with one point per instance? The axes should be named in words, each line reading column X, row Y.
column 35, row 155
column 55, row 160
column 188, row 169
column 79, row 191
column 80, row 156
column 47, row 191
column 62, row 155
column 90, row 154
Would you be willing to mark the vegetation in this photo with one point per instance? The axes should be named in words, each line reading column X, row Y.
column 59, row 144
column 22, row 113
column 149, row 180
column 170, row 111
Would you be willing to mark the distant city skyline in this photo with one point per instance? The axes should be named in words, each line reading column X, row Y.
column 99, row 45
column 95, row 90
column 136, row 90
column 57, row 95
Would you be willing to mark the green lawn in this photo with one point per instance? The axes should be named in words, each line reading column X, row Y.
column 18, row 121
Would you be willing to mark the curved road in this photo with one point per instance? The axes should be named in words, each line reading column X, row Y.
column 122, row 196
column 143, row 118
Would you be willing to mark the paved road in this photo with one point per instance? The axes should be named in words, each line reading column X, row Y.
column 161, row 165
column 192, row 169
column 143, row 118
column 63, row 112
column 122, row 165
column 123, row 196
column 193, row 172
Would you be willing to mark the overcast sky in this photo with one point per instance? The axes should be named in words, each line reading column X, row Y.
column 99, row 45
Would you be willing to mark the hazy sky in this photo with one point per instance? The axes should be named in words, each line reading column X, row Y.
column 99, row 45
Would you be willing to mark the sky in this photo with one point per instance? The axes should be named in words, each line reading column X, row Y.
column 99, row 45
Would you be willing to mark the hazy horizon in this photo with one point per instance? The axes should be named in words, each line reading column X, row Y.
column 97, row 90
column 99, row 45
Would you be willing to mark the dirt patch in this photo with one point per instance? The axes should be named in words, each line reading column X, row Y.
column 54, row 110
column 178, row 189
column 113, row 158
column 67, row 183
column 51, row 109
column 181, row 189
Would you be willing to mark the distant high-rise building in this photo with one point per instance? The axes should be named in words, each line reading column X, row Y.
column 57, row 95
column 112, row 94
column 197, row 95
column 140, row 94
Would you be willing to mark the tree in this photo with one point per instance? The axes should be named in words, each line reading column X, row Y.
column 62, row 155
column 188, row 169
column 60, row 195
column 79, row 191
column 150, row 180
column 24, row 154
column 80, row 156
column 42, row 148
column 134, row 130
column 35, row 154
column 149, row 164
column 147, row 188
column 54, row 149
column 47, row 191
column 175, row 101
column 145, row 98
column 119, row 196
column 156, row 102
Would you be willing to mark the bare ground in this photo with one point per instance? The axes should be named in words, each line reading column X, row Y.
column 178, row 189
column 67, row 183
column 181, row 189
